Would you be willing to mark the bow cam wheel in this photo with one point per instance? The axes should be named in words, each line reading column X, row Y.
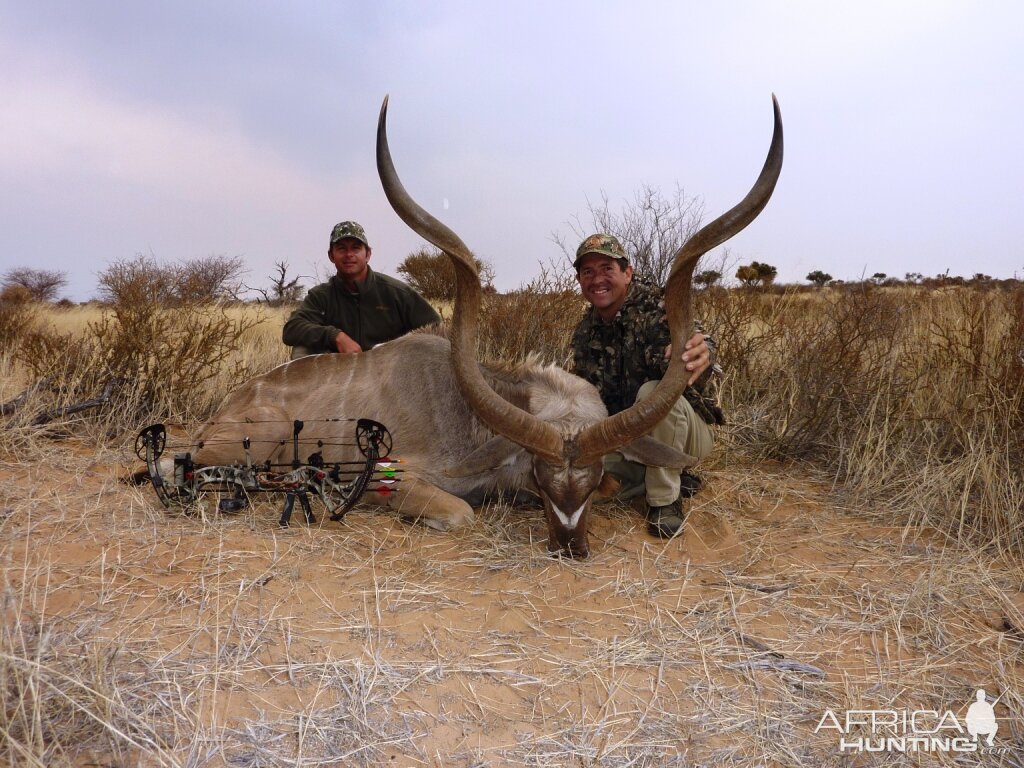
column 154, row 436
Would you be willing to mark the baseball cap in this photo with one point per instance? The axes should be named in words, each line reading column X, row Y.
column 349, row 229
column 603, row 244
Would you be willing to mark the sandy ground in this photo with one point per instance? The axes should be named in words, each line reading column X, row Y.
column 226, row 641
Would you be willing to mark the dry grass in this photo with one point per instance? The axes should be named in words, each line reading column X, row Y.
column 169, row 364
column 910, row 399
column 258, row 341
column 877, row 567
column 134, row 637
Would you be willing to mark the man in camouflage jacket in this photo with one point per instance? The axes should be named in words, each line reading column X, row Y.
column 357, row 308
column 621, row 347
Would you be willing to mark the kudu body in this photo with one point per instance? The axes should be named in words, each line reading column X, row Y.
column 461, row 428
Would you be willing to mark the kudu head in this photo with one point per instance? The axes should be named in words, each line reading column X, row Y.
column 567, row 454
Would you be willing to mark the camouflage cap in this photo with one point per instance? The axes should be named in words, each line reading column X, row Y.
column 349, row 229
column 602, row 244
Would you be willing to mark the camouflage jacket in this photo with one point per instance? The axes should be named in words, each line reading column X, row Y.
column 619, row 355
column 382, row 308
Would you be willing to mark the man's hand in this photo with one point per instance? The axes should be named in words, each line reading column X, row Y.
column 346, row 344
column 696, row 355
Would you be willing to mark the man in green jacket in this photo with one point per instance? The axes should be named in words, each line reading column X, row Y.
column 357, row 308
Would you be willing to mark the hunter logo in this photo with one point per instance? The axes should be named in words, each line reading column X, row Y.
column 981, row 718
column 919, row 730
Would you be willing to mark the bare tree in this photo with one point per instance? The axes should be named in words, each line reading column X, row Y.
column 143, row 279
column 210, row 278
column 282, row 290
column 137, row 281
column 651, row 228
column 42, row 284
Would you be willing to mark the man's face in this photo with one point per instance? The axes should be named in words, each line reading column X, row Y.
column 604, row 283
column 349, row 257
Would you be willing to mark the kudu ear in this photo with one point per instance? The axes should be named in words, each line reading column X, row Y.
column 492, row 454
column 653, row 453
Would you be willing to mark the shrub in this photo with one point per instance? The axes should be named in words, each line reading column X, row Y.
column 163, row 357
column 209, row 278
column 537, row 319
column 912, row 399
column 161, row 345
column 137, row 282
column 17, row 316
column 431, row 273
column 142, row 279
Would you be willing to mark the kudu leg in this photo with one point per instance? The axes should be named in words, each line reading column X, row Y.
column 421, row 501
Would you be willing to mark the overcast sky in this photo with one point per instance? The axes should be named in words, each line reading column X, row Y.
column 186, row 129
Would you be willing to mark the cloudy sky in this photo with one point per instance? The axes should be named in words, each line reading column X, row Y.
column 186, row 129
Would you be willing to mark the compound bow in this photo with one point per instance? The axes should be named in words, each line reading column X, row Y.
column 338, row 484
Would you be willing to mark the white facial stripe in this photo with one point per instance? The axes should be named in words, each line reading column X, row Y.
column 569, row 521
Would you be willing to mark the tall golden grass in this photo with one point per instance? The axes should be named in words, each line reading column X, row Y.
column 172, row 363
column 128, row 637
column 912, row 398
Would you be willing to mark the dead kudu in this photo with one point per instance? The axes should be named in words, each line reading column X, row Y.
column 464, row 429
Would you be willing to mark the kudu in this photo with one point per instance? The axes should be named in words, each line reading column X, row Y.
column 461, row 428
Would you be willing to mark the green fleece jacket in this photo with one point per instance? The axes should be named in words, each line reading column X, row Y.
column 381, row 309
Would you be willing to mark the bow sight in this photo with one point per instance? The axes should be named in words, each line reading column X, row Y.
column 338, row 484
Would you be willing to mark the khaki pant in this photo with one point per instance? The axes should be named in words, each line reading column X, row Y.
column 682, row 429
column 298, row 352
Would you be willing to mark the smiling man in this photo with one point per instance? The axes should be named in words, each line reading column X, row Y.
column 357, row 308
column 621, row 346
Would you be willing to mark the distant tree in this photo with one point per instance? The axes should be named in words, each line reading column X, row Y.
column 143, row 279
column 819, row 278
column 707, row 278
column 747, row 275
column 282, row 290
column 943, row 279
column 766, row 273
column 879, row 277
column 210, row 278
column 756, row 273
column 138, row 281
column 41, row 284
column 431, row 273
column 652, row 227
column 913, row 277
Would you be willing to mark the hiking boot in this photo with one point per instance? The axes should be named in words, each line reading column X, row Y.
column 665, row 522
column 689, row 484
column 627, row 492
